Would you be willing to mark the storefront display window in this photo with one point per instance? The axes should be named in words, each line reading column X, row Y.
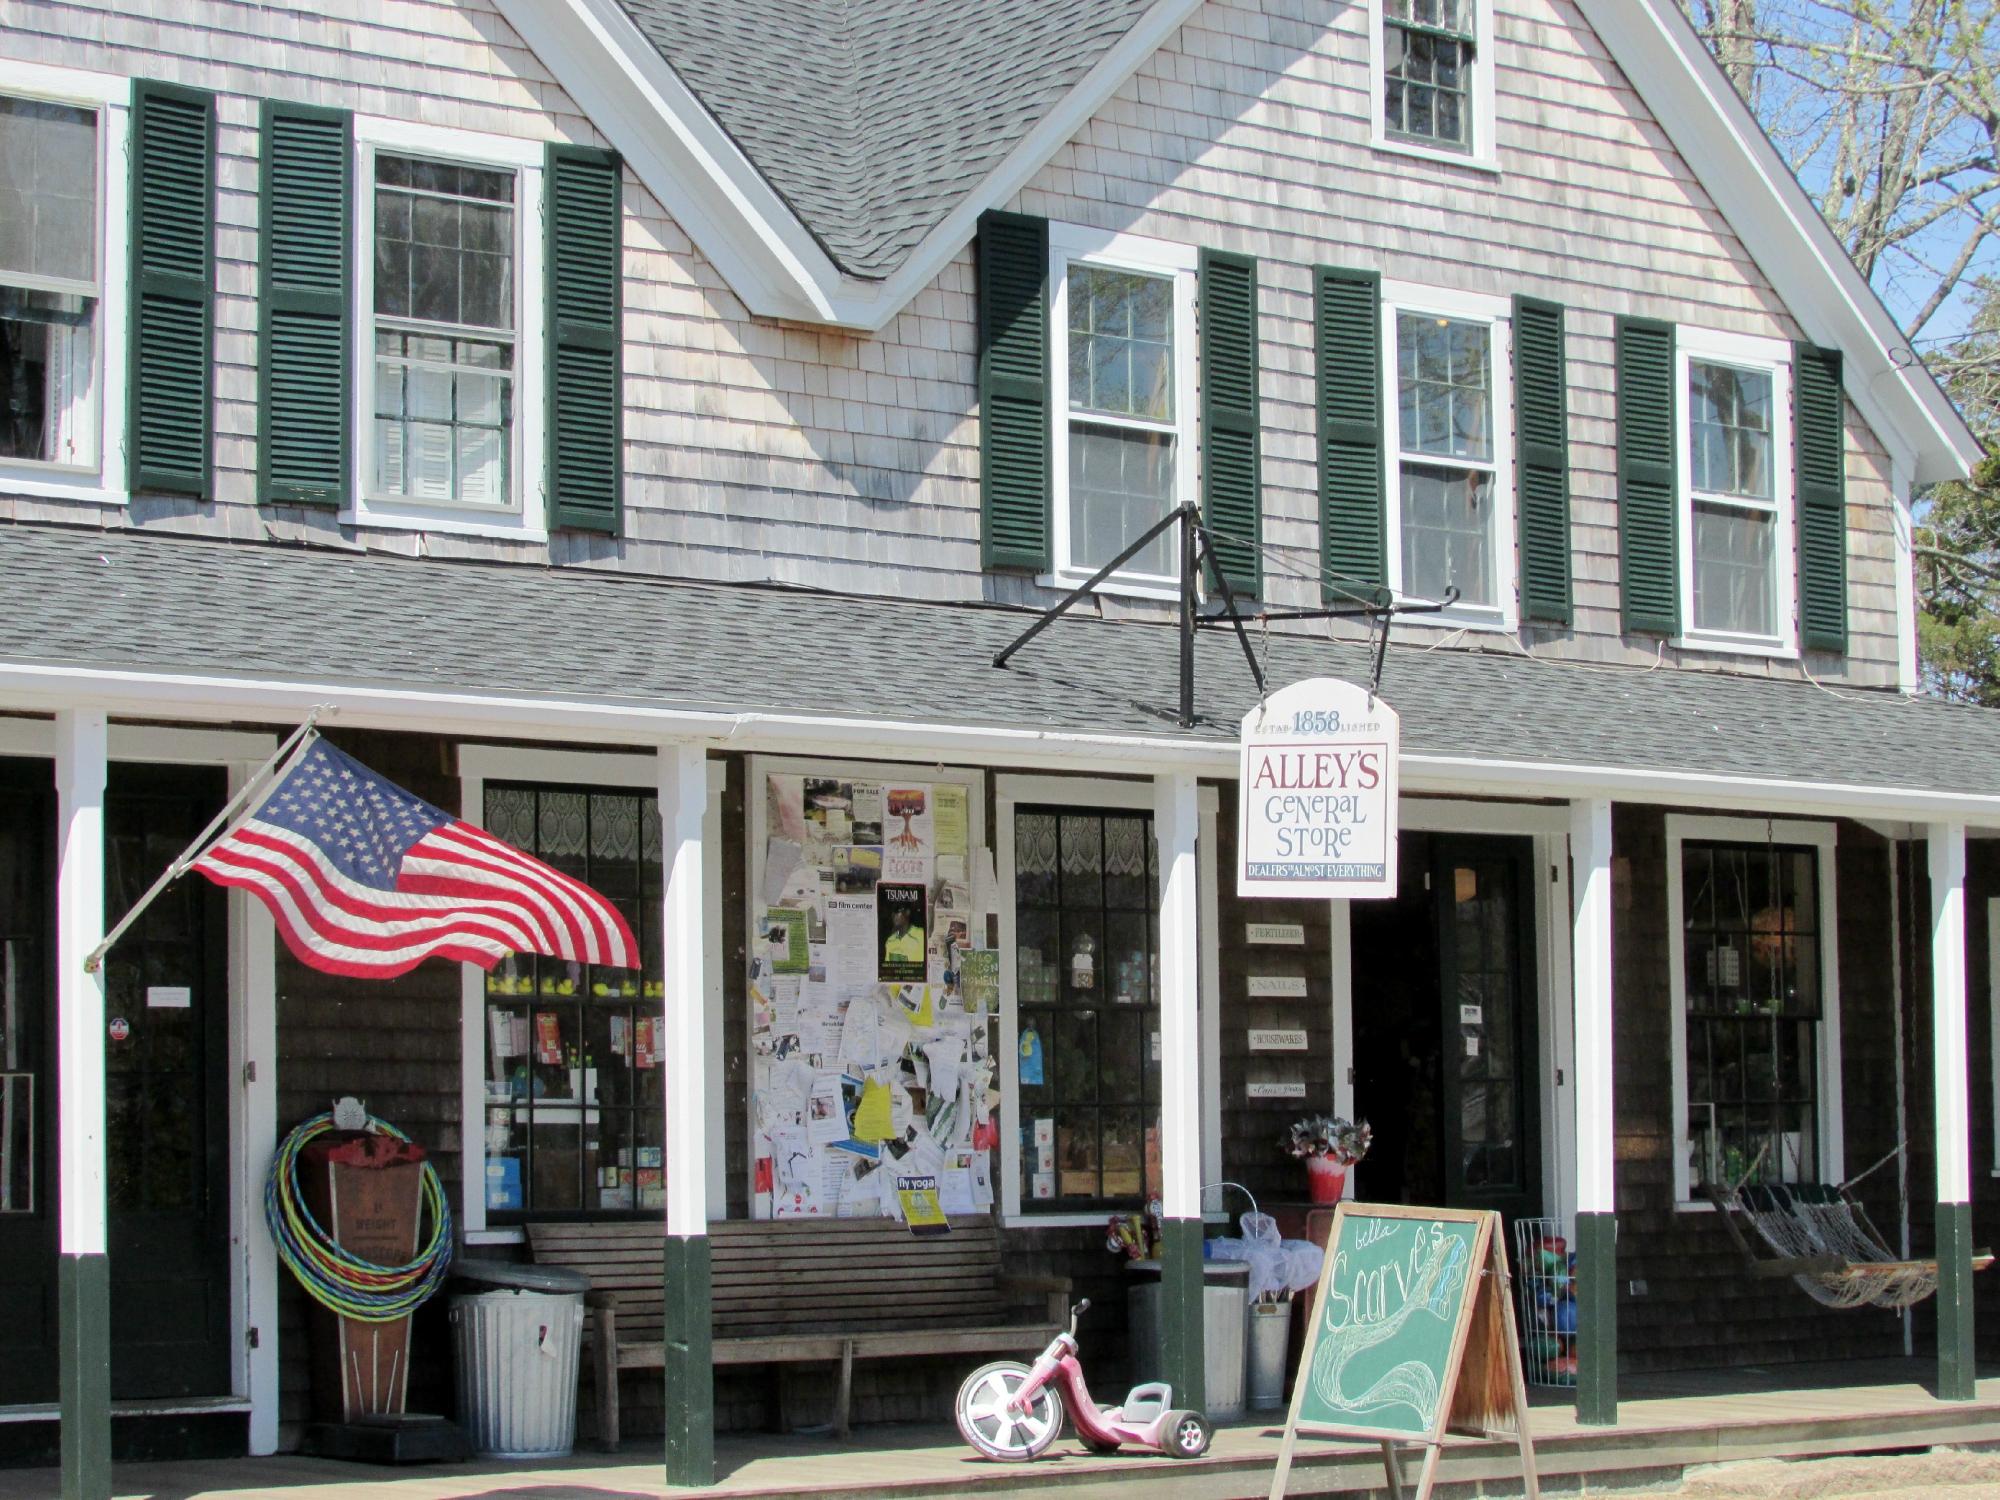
column 1752, row 975
column 573, row 1079
column 1087, row 977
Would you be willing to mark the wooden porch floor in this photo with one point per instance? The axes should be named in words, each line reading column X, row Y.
column 1666, row 1424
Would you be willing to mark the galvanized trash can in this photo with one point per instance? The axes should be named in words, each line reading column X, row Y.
column 517, row 1332
column 1269, row 1347
column 1225, row 1290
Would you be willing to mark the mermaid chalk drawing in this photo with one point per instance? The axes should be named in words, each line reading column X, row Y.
column 1429, row 1281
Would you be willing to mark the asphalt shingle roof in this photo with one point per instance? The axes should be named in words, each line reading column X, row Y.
column 151, row 602
column 873, row 118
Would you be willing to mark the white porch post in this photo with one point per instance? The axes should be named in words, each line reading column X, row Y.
column 84, row 1266
column 1176, row 819
column 1596, row 1204
column 690, row 1382
column 1956, row 1365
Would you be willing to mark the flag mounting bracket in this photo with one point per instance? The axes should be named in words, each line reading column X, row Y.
column 1197, row 548
column 254, row 786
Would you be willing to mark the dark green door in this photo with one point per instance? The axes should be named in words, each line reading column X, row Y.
column 27, row 1083
column 166, row 1104
column 1484, row 894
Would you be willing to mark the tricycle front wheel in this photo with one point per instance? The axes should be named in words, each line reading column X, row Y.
column 991, row 1421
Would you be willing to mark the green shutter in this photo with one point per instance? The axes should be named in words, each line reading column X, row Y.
column 304, row 288
column 1648, row 501
column 1819, row 447
column 1015, row 444
column 1230, row 472
column 583, row 265
column 1347, row 345
column 173, row 280
column 1541, row 458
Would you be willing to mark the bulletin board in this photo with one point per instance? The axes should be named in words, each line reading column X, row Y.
column 873, row 991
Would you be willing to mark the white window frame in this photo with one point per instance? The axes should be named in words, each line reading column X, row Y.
column 479, row 764
column 104, row 482
column 1075, row 244
column 1761, row 356
column 1497, row 313
column 524, row 516
column 1135, row 796
column 1821, row 837
column 1482, row 156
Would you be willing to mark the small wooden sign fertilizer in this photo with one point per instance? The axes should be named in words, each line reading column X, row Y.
column 1412, row 1337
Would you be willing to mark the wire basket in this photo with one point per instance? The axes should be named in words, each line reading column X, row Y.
column 1545, row 1271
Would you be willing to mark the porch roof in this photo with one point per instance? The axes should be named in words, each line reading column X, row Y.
column 156, row 606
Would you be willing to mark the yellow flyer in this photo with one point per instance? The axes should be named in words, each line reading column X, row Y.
column 919, row 1197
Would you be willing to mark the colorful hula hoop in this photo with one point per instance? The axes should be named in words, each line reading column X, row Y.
column 338, row 1279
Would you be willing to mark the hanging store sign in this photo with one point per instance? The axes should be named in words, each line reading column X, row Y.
column 1317, row 796
column 1276, row 986
column 1286, row 1039
column 1275, row 1088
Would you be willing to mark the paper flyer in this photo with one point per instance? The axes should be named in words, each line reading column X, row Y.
column 872, row 1115
column 826, row 1112
column 979, row 980
column 548, row 1039
column 949, row 822
column 921, row 1210
column 900, row 919
column 787, row 945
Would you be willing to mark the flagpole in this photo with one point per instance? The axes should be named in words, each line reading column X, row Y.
column 248, row 798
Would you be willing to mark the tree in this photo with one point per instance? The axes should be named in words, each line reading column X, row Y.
column 1888, row 112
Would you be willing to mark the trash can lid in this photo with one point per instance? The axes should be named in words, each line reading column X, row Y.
column 521, row 1278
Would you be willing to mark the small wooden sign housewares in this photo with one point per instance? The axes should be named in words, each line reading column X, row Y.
column 1412, row 1337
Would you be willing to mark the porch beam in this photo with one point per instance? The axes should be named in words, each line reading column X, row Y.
column 1176, row 821
column 1596, row 1145
column 688, row 1321
column 1957, row 1368
column 83, row 1264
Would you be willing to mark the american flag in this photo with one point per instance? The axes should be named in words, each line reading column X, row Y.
column 366, row 879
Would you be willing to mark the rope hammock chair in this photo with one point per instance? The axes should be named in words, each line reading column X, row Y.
column 1825, row 1241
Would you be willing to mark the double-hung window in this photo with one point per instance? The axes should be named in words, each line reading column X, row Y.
column 449, row 361
column 1433, row 78
column 1736, row 490
column 1756, row 1059
column 1123, row 383
column 1450, row 464
column 60, row 316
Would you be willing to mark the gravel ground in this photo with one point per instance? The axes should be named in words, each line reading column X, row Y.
column 1941, row 1474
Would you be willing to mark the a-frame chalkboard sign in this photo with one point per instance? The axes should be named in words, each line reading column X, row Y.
column 1412, row 1337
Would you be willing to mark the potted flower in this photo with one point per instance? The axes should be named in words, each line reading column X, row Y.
column 1328, row 1145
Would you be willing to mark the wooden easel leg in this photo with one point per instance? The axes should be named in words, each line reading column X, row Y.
column 1394, row 1466
column 1428, row 1474
column 1284, row 1471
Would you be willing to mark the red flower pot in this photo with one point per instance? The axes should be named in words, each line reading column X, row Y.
column 1325, row 1179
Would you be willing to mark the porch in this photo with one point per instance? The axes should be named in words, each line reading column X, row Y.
column 1666, row 1425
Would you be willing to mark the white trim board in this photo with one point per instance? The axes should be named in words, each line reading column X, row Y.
column 1821, row 837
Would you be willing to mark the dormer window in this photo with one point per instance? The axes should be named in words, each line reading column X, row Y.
column 1432, row 68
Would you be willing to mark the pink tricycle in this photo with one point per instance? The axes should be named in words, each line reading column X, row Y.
column 1011, row 1411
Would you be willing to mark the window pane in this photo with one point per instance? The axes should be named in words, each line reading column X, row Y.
column 1121, row 343
column 48, row 190
column 1120, row 483
column 1729, row 440
column 1444, row 386
column 1733, row 583
column 443, row 422
column 48, row 382
column 1447, row 533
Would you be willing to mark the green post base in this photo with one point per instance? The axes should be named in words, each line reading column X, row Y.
column 690, row 1373
column 84, row 1325
column 1957, row 1363
column 1597, row 1320
column 1181, row 1315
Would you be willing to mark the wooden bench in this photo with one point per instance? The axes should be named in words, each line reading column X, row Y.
column 799, row 1291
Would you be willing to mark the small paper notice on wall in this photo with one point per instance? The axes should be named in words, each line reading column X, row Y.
column 1045, row 1184
column 918, row 1196
column 950, row 824
column 787, row 946
column 169, row 997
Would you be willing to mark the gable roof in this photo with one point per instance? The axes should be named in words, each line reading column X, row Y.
column 874, row 118
column 830, row 157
